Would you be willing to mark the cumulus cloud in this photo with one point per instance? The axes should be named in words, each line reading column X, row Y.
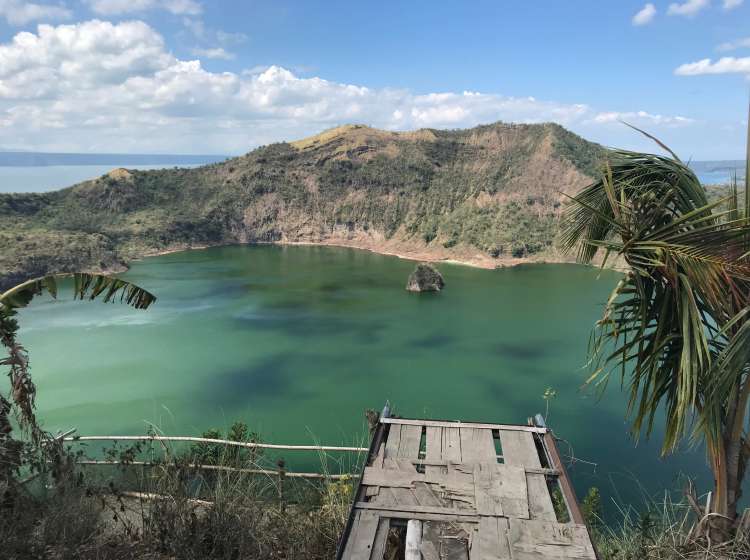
column 18, row 12
column 724, row 65
column 688, row 8
column 641, row 117
column 733, row 45
column 732, row 4
column 215, row 52
column 116, row 87
column 118, row 7
column 645, row 15
column 72, row 58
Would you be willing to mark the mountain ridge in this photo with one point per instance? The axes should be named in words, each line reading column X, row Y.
column 489, row 196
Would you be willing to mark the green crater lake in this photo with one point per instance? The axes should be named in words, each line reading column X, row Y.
column 299, row 341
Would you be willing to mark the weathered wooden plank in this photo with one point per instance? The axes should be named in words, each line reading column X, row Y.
column 393, row 442
column 434, row 444
column 351, row 539
column 420, row 492
column 416, row 509
column 400, row 495
column 429, row 551
column 477, row 446
column 427, row 496
column 411, row 437
column 539, row 470
column 365, row 538
column 381, row 539
column 452, row 481
column 431, row 540
column 501, row 490
column 434, row 450
column 379, row 456
column 486, row 502
column 509, row 487
column 542, row 540
column 449, row 424
column 451, row 445
column 392, row 478
column 395, row 513
column 519, row 449
column 492, row 542
column 413, row 540
column 540, row 501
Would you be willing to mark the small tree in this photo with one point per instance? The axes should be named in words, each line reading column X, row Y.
column 22, row 394
column 676, row 325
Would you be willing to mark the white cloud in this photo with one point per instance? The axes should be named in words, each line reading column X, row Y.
column 733, row 45
column 17, row 12
column 216, row 52
column 641, row 118
column 688, row 8
column 118, row 7
column 79, row 57
column 724, row 65
column 732, row 4
column 115, row 87
column 226, row 38
column 645, row 15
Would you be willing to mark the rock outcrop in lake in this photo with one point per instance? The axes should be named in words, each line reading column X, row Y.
column 425, row 278
column 488, row 195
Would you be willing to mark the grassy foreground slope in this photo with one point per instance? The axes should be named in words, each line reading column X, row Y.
column 486, row 195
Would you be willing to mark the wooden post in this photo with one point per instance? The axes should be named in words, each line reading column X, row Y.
column 413, row 540
column 282, row 475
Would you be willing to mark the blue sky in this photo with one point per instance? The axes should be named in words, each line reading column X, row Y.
column 223, row 77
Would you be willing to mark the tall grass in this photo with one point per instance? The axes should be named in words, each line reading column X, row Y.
column 173, row 507
column 661, row 529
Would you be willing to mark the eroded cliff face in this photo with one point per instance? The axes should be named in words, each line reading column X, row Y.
column 488, row 195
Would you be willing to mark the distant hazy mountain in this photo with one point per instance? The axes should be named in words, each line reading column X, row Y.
column 719, row 172
column 43, row 159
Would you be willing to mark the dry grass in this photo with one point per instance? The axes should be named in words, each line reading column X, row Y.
column 175, row 510
column 661, row 530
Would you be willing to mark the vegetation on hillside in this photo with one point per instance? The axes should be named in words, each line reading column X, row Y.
column 492, row 190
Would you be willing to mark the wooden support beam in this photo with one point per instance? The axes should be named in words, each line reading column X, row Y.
column 406, row 510
column 459, row 424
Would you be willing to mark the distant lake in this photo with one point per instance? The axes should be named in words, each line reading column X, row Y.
column 53, row 177
column 719, row 172
column 299, row 341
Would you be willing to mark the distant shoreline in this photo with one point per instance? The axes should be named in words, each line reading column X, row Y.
column 485, row 263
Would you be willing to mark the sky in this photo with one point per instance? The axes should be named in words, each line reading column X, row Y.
column 223, row 77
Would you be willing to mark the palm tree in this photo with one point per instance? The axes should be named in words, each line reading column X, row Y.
column 676, row 326
column 22, row 390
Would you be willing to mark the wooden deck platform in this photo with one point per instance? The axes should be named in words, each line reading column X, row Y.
column 435, row 490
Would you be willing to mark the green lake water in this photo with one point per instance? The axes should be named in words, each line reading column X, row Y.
column 299, row 341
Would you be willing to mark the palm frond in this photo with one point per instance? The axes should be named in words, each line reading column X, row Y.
column 85, row 286
column 592, row 216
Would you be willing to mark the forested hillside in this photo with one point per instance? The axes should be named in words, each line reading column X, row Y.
column 490, row 194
